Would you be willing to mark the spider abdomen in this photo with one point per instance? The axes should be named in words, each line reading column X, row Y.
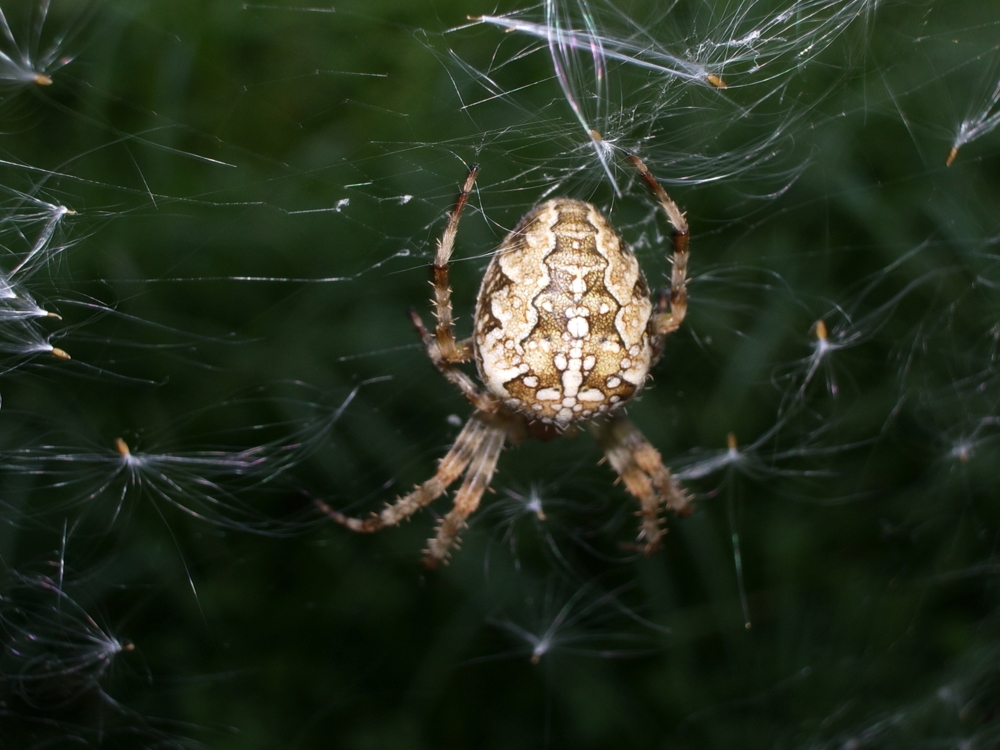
column 562, row 319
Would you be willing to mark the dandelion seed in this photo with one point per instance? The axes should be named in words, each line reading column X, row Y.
column 980, row 124
column 586, row 622
column 821, row 333
column 19, row 334
column 24, row 339
column 965, row 447
column 962, row 452
column 729, row 457
column 34, row 60
column 534, row 505
column 54, row 651
column 215, row 485
column 631, row 79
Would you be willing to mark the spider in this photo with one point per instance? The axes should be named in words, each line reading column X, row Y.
column 565, row 333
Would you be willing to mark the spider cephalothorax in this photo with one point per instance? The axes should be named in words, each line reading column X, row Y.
column 564, row 333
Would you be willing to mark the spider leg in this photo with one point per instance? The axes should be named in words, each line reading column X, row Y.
column 450, row 349
column 455, row 376
column 442, row 347
column 665, row 322
column 467, row 448
column 477, row 479
column 640, row 467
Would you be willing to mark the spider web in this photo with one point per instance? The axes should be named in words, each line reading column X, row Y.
column 212, row 224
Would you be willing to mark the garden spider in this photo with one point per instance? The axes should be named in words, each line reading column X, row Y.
column 564, row 333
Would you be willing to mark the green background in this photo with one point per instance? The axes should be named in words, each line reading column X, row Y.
column 257, row 191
